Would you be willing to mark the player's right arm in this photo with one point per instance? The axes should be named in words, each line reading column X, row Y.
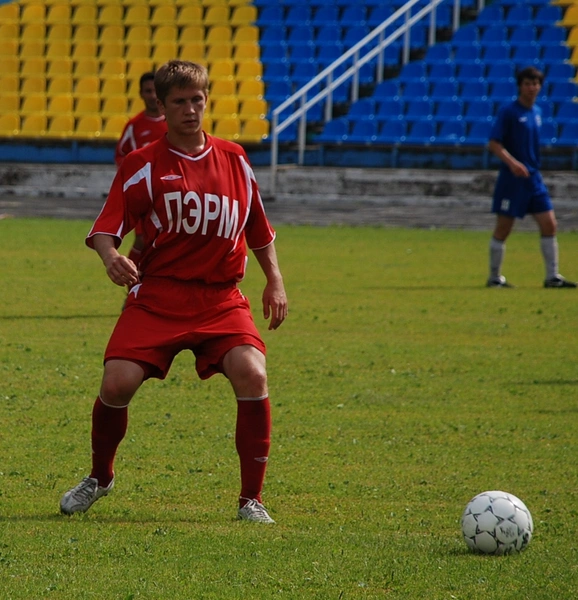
column 120, row 269
column 518, row 169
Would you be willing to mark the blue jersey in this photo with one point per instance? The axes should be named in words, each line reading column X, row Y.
column 517, row 128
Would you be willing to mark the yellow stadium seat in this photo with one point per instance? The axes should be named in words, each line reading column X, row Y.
column 138, row 33
column 84, row 14
column 9, row 125
column 135, row 105
column 244, row 15
column 111, row 49
column 61, row 126
column 33, row 32
column 8, row 48
column 222, row 69
column 181, row 3
column 190, row 15
column 251, row 89
column 249, row 69
column 60, row 104
column 9, row 31
column 113, row 67
column 137, row 50
column 61, row 84
column 32, row 66
column 35, row 84
column 171, row 2
column 572, row 39
column 88, row 127
column 84, row 33
column 246, row 51
column 223, row 87
column 208, row 3
column 217, row 15
column 574, row 56
column 88, row 85
column 134, row 87
column 164, row 33
column 246, row 33
column 33, row 126
column 254, row 130
column 137, row 14
column 239, row 2
column 33, row 104
column 208, row 124
column 253, row 108
column 224, row 107
column 218, row 52
column 165, row 14
column 9, row 102
column 111, row 33
column 136, row 67
column 228, row 128
column 219, row 34
column 192, row 33
column 10, row 65
column 113, row 87
column 58, row 14
column 85, row 66
column 193, row 51
column 10, row 84
column 111, row 14
column 58, row 49
column 10, row 13
column 164, row 52
column 32, row 48
column 113, row 127
column 114, row 105
column 33, row 13
column 87, row 105
column 570, row 18
column 59, row 33
column 59, row 66
column 84, row 49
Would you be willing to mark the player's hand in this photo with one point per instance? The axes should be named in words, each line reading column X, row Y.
column 121, row 270
column 275, row 303
column 519, row 169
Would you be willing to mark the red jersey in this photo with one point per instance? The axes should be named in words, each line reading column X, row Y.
column 139, row 132
column 199, row 212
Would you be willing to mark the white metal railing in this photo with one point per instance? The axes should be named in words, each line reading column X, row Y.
column 359, row 59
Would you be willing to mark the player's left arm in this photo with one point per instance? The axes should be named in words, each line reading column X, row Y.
column 274, row 296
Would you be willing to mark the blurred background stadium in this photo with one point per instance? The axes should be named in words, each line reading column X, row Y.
column 425, row 98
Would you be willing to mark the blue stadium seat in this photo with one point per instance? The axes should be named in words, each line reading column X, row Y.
column 441, row 72
column 413, row 71
column 362, row 110
column 472, row 72
column 494, row 35
column 418, row 110
column 438, row 53
column 561, row 91
column 548, row 133
column 271, row 15
column 418, row 37
column 391, row 54
column 552, row 35
column 547, row 109
column 334, row 132
column 478, row 133
column 278, row 91
column 290, row 133
column 526, row 55
column 272, row 53
column 474, row 90
column 496, row 53
column 354, row 15
column 466, row 35
column 392, row 132
column 298, row 15
column 567, row 112
column 301, row 53
column 449, row 110
column 444, row 16
column 328, row 36
column 386, row 90
column 521, row 14
column 326, row 16
column 300, row 35
column 363, row 132
column 378, row 14
column 466, row 55
column 479, row 110
column 416, row 90
column 522, row 35
column 553, row 54
column 442, row 90
column 548, row 15
column 304, row 72
column 421, row 132
column 568, row 135
column 451, row 133
column 503, row 91
column 560, row 72
column 389, row 110
column 354, row 34
column 490, row 15
column 327, row 54
column 276, row 71
column 500, row 71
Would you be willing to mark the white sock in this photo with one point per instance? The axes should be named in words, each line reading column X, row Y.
column 497, row 251
column 549, row 247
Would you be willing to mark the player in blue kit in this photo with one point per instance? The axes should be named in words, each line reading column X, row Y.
column 520, row 190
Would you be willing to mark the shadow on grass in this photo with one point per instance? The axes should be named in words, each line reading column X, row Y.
column 55, row 317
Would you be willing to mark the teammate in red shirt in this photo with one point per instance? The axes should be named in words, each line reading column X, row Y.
column 144, row 128
column 200, row 206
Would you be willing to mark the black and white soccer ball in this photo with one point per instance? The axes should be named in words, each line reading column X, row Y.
column 497, row 523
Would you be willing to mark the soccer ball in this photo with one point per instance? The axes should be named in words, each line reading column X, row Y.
column 497, row 523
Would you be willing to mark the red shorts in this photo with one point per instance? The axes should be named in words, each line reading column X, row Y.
column 164, row 316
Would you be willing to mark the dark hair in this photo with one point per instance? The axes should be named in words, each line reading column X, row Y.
column 180, row 73
column 149, row 76
column 529, row 73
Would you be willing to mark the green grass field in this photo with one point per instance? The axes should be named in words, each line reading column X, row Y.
column 400, row 385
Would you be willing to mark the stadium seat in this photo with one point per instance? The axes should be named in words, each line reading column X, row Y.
column 9, row 84
column 10, row 65
column 252, row 108
column 378, row 14
column 136, row 14
column 567, row 112
column 494, row 35
column 222, row 87
column 561, row 91
column 570, row 18
column 451, row 133
column 165, row 33
column 354, row 34
column 254, row 130
column 9, row 125
column 449, row 110
column 417, row 90
column 418, row 110
column 163, row 52
column 113, row 87
column 478, row 134
column 142, row 50
column 111, row 49
column 222, row 70
column 246, row 51
column 84, row 14
column 479, row 110
column 34, row 126
column 225, row 107
column 8, row 47
column 472, row 72
column 31, row 67
column 500, row 71
column 113, row 127
column 87, row 105
column 548, row 133
column 166, row 15
column 246, row 33
column 392, row 132
column 251, row 89
column 190, row 15
column 519, row 15
column 362, row 110
column 10, row 14
column 88, row 127
column 110, row 14
column 552, row 36
column 439, row 53
column 334, row 132
column 490, row 15
column 298, row 15
column 555, row 54
column 467, row 35
column 386, row 90
column 249, row 69
column 33, row 13
column 61, row 127
column 465, row 55
column 442, row 91
column 363, row 132
column 353, row 15
column 9, row 102
column 137, row 66
column 413, row 71
column 228, row 128
column 421, row 132
column 33, row 104
column 271, row 15
column 32, row 49
column 560, row 72
column 60, row 104
column 443, row 72
column 114, row 105
column 474, row 90
column 390, row 109
column 568, row 135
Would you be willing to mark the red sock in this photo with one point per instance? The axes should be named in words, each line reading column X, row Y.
column 109, row 426
column 253, row 439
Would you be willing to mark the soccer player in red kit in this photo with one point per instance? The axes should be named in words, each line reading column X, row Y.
column 200, row 205
column 145, row 127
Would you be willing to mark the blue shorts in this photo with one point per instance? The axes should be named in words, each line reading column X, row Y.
column 518, row 196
